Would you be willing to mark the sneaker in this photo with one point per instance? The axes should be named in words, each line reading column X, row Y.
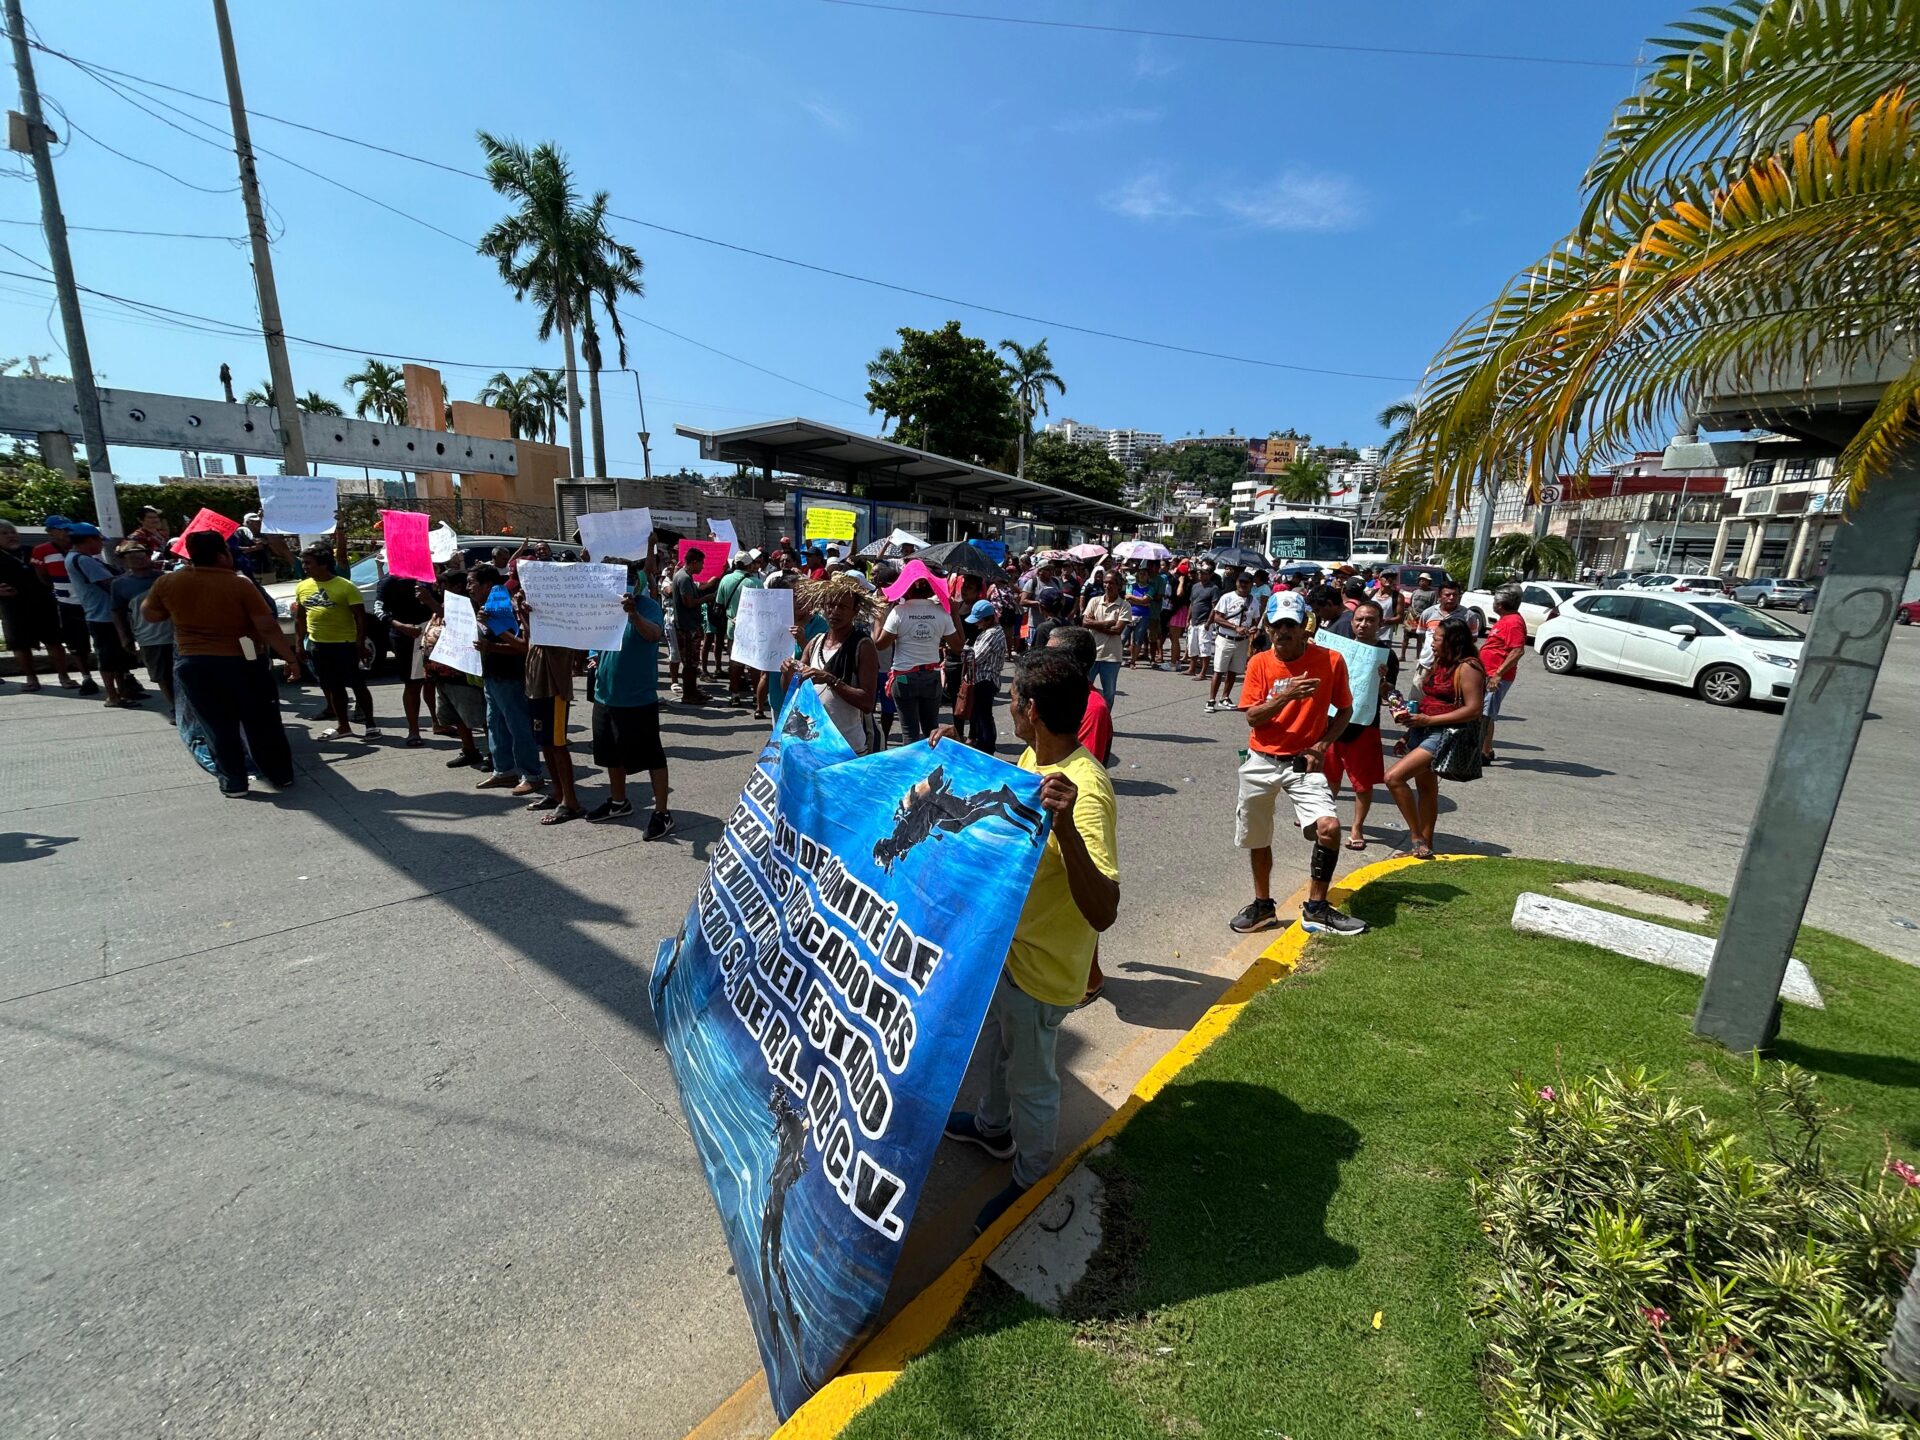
column 611, row 810
column 964, row 1125
column 91, row 687
column 529, row 786
column 1259, row 915
column 1323, row 919
column 659, row 825
column 1210, row 706
column 498, row 781
column 998, row 1206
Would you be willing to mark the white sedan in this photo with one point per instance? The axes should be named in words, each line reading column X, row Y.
column 1724, row 651
column 1538, row 600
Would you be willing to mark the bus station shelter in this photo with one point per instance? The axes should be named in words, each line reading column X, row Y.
column 884, row 486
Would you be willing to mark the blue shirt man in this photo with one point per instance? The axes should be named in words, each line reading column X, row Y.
column 626, row 713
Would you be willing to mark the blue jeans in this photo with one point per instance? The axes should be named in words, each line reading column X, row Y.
column 1106, row 674
column 1023, row 1083
column 510, row 730
column 916, row 694
column 1495, row 694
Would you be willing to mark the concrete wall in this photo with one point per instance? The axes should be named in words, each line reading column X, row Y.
column 427, row 408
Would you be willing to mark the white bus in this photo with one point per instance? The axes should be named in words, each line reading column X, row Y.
column 1292, row 537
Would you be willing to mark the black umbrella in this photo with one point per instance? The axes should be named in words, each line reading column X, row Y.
column 963, row 556
column 1238, row 557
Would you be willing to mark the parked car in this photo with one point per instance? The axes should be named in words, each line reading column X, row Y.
column 1813, row 594
column 1771, row 592
column 1620, row 578
column 1679, row 585
column 1908, row 613
column 1539, row 599
column 1410, row 571
column 1724, row 651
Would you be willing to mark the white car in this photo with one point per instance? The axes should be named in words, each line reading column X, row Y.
column 1538, row 600
column 1697, row 585
column 1724, row 651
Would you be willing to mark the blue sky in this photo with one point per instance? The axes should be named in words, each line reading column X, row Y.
column 1316, row 208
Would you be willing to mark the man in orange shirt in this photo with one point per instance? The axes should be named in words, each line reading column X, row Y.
column 1296, row 701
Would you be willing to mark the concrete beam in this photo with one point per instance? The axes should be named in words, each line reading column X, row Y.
column 178, row 422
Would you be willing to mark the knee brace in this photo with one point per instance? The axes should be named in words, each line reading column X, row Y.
column 1322, row 865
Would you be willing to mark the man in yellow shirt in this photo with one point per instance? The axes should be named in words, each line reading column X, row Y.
column 330, row 612
column 1075, row 895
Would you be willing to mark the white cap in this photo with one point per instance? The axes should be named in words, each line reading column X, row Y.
column 1286, row 605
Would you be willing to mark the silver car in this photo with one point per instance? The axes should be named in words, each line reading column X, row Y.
column 1771, row 593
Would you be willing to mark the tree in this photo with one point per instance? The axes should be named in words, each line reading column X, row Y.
column 1749, row 227
column 1305, row 482
column 537, row 247
column 525, row 414
column 313, row 402
column 609, row 271
column 1029, row 372
column 1397, row 420
column 1081, row 469
column 383, row 392
column 944, row 391
column 1210, row 469
column 1534, row 556
column 549, row 387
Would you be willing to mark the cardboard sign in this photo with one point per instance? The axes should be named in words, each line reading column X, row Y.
column 455, row 648
column 762, row 636
column 442, row 544
column 206, row 520
column 409, row 553
column 624, row 534
column 713, row 556
column 298, row 504
column 723, row 530
column 575, row 607
column 826, row 523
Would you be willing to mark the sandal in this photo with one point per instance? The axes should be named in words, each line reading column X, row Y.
column 562, row 815
column 414, row 742
column 544, row 802
column 1353, row 844
column 335, row 735
column 1423, row 852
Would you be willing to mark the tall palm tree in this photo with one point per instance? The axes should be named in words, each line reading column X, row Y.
column 261, row 394
column 1535, row 555
column 382, row 392
column 313, row 402
column 1305, row 482
column 1397, row 420
column 549, row 388
column 525, row 414
column 1029, row 373
column 536, row 247
column 610, row 271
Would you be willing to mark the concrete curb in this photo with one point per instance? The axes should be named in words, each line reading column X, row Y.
column 878, row 1364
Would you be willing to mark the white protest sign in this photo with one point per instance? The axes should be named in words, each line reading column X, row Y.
column 575, row 607
column 442, row 544
column 298, row 504
column 623, row 533
column 1366, row 669
column 459, row 629
column 761, row 637
column 723, row 530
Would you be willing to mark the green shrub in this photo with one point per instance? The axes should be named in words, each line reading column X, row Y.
column 1656, row 1280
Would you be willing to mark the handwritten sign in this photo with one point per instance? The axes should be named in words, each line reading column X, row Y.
column 824, row 522
column 459, row 630
column 713, row 555
column 621, row 533
column 1366, row 669
column 409, row 553
column 298, row 504
column 760, row 631
column 206, row 520
column 442, row 544
column 575, row 607
column 723, row 530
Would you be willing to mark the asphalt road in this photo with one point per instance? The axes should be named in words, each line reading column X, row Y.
column 342, row 1112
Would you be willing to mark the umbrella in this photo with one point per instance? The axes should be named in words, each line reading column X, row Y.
column 1141, row 550
column 881, row 548
column 963, row 556
column 1089, row 551
column 1054, row 557
column 1238, row 557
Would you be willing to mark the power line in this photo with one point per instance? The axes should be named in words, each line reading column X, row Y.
column 79, row 129
column 1406, row 51
column 150, row 234
column 767, row 255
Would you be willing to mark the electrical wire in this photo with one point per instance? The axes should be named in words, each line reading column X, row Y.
column 150, row 234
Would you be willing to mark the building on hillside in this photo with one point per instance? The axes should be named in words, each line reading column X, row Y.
column 1228, row 441
column 1131, row 447
column 1074, row 433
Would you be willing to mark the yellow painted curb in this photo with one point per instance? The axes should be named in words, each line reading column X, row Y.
column 874, row 1368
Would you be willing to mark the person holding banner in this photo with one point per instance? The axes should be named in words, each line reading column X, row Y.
column 917, row 630
column 842, row 664
column 1075, row 895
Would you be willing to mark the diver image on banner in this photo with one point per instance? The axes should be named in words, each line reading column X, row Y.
column 819, row 1005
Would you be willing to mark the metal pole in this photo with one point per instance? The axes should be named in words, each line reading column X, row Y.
column 646, row 449
column 292, row 443
column 1839, row 663
column 93, row 432
column 1673, row 531
column 1483, row 533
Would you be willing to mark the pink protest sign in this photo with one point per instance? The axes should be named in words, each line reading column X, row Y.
column 915, row 570
column 409, row 551
column 712, row 553
column 206, row 520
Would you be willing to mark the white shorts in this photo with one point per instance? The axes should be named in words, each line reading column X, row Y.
column 1229, row 655
column 1199, row 641
column 1263, row 778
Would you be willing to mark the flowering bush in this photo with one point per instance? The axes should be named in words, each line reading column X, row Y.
column 1655, row 1279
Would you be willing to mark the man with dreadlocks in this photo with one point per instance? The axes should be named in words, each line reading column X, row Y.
column 842, row 663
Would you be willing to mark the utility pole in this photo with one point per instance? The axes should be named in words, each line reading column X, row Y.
column 292, row 443
column 93, row 432
column 646, row 450
column 226, row 384
column 1483, row 532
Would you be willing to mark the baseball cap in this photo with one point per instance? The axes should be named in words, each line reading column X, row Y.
column 81, row 530
column 983, row 610
column 56, row 522
column 1286, row 605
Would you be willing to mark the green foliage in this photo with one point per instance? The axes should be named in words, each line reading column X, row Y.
column 381, row 392
column 1548, row 556
column 1655, row 1279
column 1212, row 469
column 1305, row 482
column 1079, row 468
column 947, row 392
column 519, row 396
column 30, row 491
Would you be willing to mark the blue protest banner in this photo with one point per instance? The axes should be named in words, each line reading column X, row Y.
column 819, row 1005
column 994, row 550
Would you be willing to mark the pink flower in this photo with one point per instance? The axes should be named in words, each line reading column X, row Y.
column 1909, row 1176
column 1656, row 1317
column 1546, row 1093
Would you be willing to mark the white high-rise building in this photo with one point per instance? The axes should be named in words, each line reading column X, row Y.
column 1074, row 433
column 1131, row 447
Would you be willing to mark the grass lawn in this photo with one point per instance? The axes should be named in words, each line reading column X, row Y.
column 1309, row 1171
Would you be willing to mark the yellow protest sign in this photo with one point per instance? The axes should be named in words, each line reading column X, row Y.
column 826, row 523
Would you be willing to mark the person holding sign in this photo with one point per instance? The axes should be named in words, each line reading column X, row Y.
column 1357, row 753
column 459, row 705
column 690, row 593
column 842, row 664
column 1074, row 896
column 626, row 709
column 549, row 681
column 503, row 680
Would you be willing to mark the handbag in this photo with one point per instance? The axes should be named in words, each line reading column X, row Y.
column 963, row 698
column 1458, row 757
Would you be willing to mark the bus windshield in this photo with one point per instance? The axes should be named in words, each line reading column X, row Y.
column 1289, row 538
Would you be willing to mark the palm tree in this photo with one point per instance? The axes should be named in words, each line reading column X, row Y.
column 1535, row 555
column 610, row 271
column 1397, row 420
column 537, row 249
column 549, row 388
column 1305, row 482
column 261, row 394
column 525, row 414
column 1029, row 373
column 383, row 392
column 314, row 403
column 1749, row 228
